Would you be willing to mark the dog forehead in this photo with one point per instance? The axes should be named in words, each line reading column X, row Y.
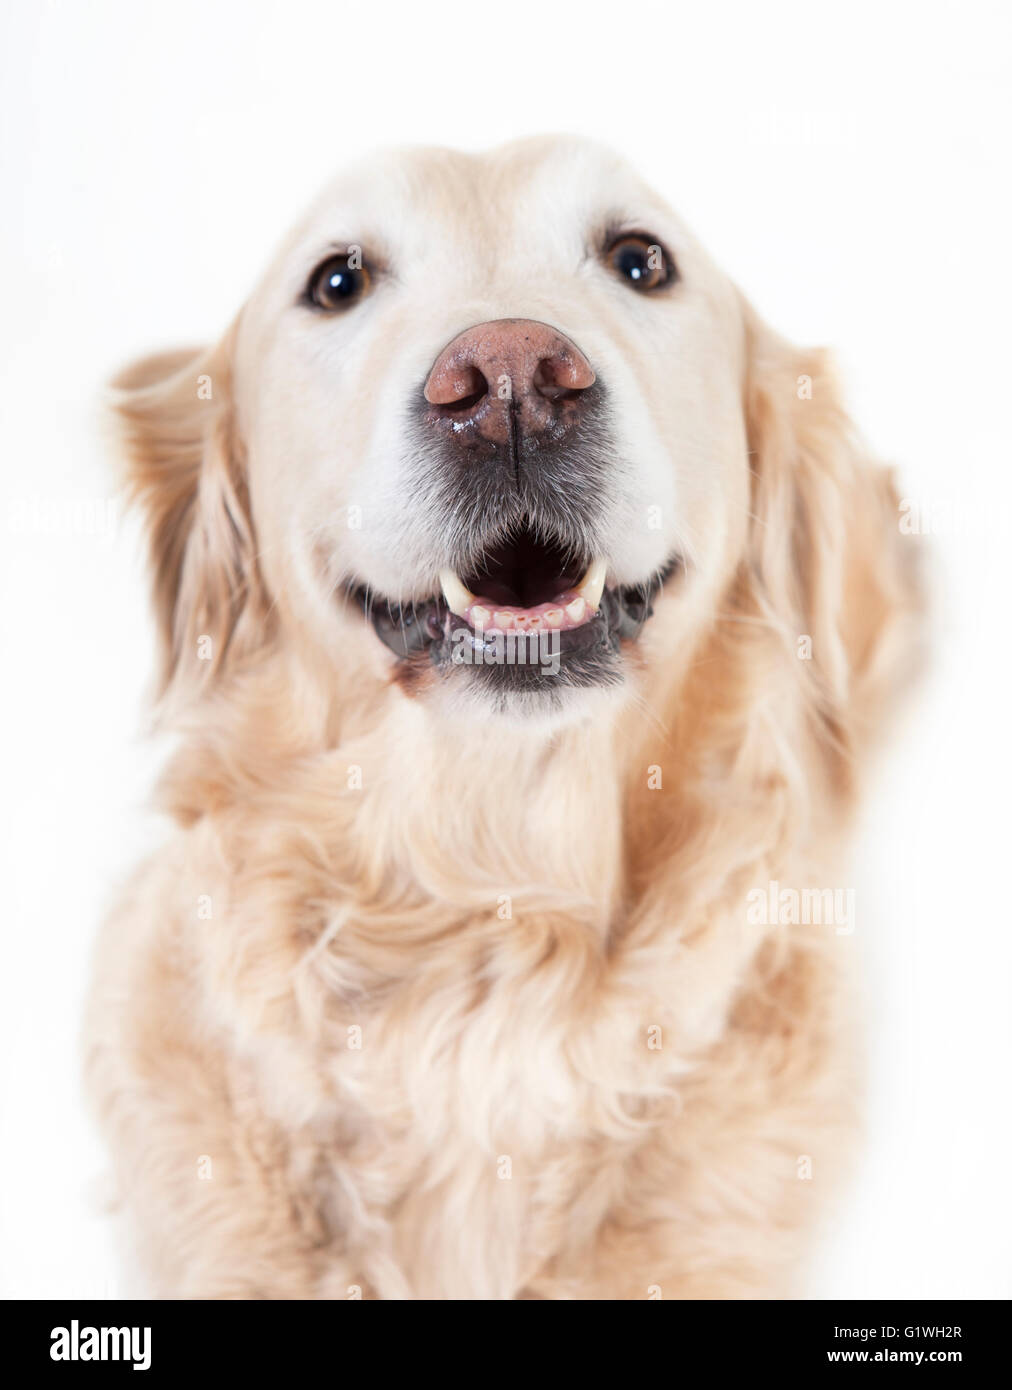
column 418, row 201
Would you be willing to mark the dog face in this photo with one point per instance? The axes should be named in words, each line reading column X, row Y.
column 481, row 418
column 490, row 405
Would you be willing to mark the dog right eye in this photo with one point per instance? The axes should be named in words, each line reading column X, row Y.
column 338, row 283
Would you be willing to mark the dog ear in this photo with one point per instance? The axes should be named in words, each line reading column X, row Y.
column 186, row 470
column 829, row 568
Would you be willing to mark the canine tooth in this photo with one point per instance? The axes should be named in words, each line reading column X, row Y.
column 591, row 586
column 456, row 593
column 576, row 610
column 479, row 616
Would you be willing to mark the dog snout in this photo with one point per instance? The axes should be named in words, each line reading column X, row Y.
column 510, row 377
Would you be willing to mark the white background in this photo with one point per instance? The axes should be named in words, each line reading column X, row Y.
column 849, row 166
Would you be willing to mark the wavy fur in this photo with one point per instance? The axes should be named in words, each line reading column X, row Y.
column 359, row 857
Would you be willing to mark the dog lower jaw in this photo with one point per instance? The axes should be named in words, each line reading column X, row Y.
column 547, row 677
column 502, row 716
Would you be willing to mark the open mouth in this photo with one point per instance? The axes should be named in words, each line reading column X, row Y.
column 525, row 584
column 528, row 592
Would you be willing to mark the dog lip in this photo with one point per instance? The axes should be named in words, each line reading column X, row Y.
column 406, row 629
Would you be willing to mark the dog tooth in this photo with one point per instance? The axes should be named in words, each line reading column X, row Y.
column 458, row 596
column 576, row 610
column 591, row 586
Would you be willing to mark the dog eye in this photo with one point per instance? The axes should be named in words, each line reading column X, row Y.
column 641, row 262
column 338, row 283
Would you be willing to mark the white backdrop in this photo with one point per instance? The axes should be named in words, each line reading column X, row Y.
column 849, row 165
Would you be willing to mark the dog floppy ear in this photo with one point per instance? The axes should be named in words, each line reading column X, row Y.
column 186, row 470
column 830, row 571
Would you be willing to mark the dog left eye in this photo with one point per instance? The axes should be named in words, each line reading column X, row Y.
column 642, row 262
column 338, row 283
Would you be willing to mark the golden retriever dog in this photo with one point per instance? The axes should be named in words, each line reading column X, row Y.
column 529, row 612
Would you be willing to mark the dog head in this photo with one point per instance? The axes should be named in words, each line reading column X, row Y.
column 482, row 417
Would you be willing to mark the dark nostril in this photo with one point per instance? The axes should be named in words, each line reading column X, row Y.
column 555, row 379
column 457, row 387
column 559, row 393
column 546, row 384
column 466, row 403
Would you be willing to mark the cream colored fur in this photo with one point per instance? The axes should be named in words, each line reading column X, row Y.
column 477, row 1011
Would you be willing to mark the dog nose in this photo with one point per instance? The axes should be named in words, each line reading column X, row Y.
column 510, row 375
